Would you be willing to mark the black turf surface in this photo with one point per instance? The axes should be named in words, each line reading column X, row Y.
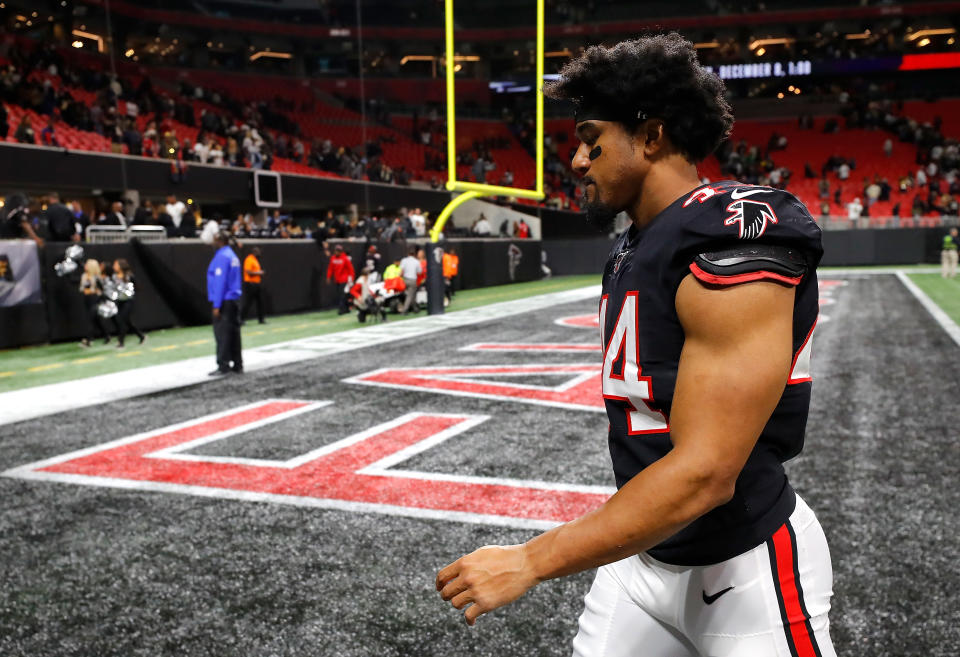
column 96, row 571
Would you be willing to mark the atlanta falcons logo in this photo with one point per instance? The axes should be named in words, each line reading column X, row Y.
column 751, row 217
column 618, row 260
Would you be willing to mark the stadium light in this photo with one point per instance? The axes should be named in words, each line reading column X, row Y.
column 266, row 53
column 780, row 41
column 913, row 36
column 88, row 35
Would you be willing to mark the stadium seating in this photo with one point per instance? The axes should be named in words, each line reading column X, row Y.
column 318, row 118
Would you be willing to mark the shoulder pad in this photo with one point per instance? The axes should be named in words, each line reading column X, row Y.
column 752, row 262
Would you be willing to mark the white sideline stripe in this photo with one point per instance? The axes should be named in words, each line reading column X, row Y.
column 292, row 500
column 882, row 271
column 38, row 401
column 942, row 318
column 492, row 481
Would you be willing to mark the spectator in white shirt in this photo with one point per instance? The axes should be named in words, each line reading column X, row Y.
column 176, row 210
column 214, row 152
column 419, row 222
column 201, row 152
column 410, row 270
column 481, row 228
column 854, row 209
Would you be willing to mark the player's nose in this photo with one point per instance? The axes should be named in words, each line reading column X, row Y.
column 581, row 161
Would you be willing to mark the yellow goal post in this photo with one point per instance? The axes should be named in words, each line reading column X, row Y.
column 471, row 190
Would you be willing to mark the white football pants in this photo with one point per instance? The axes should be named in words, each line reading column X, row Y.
column 769, row 602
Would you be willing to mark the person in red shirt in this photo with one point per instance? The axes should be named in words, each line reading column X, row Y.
column 521, row 230
column 422, row 277
column 340, row 271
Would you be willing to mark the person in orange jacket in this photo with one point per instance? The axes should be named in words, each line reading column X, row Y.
column 252, row 285
column 451, row 270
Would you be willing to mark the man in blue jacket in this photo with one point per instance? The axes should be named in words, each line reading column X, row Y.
column 224, row 288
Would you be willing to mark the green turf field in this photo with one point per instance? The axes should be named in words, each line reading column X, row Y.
column 38, row 365
column 944, row 292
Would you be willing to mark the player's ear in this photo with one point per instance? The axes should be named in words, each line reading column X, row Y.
column 653, row 136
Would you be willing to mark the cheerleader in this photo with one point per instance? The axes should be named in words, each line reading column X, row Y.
column 125, row 291
column 91, row 287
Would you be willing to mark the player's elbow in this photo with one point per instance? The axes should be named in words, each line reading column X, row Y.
column 713, row 485
column 719, row 490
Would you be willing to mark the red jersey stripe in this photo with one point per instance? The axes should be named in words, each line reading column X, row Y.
column 761, row 275
column 796, row 621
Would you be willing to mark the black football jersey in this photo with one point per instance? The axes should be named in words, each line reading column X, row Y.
column 642, row 339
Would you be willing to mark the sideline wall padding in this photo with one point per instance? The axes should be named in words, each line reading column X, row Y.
column 841, row 248
column 171, row 281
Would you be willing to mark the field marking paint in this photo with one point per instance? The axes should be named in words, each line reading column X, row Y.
column 591, row 321
column 351, row 474
column 942, row 318
column 41, row 368
column 38, row 401
column 557, row 347
column 91, row 359
column 826, row 289
column 579, row 392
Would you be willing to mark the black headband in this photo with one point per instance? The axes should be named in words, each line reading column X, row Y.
column 591, row 111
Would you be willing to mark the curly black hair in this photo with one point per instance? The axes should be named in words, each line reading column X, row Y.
column 658, row 75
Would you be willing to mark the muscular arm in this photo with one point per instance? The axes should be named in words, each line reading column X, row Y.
column 733, row 368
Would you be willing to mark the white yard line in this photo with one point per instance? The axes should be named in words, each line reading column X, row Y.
column 29, row 403
column 943, row 319
column 826, row 272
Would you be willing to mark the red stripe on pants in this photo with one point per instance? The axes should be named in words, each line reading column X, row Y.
column 798, row 629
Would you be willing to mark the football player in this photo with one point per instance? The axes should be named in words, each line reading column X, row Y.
column 709, row 302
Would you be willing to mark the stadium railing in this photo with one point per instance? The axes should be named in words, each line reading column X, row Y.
column 119, row 234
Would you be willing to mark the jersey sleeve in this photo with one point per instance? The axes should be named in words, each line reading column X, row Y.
column 742, row 233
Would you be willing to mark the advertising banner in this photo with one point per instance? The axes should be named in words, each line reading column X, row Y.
column 19, row 272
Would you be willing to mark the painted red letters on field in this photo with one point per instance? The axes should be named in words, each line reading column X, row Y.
column 355, row 473
column 579, row 391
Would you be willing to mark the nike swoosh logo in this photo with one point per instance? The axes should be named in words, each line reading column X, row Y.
column 736, row 194
column 710, row 599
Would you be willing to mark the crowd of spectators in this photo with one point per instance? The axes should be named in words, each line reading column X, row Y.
column 933, row 188
column 141, row 120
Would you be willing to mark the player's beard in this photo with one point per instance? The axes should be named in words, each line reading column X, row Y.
column 600, row 215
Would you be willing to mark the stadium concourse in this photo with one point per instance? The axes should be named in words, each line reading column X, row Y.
column 303, row 509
